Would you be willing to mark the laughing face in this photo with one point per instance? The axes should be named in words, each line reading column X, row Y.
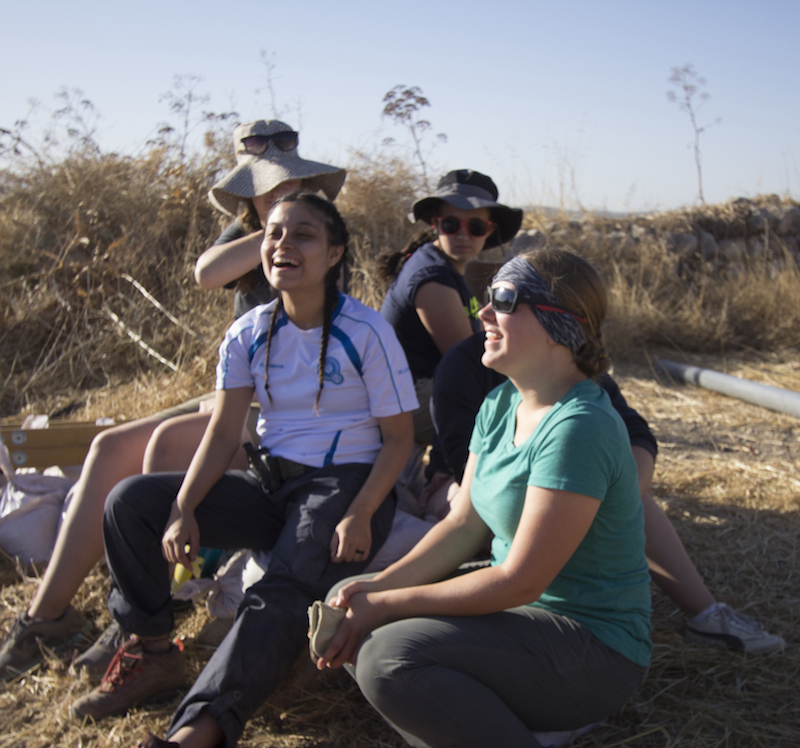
column 296, row 253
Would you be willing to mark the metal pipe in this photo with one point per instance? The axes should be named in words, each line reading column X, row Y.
column 774, row 398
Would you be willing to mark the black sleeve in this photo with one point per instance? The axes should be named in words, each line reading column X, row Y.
column 235, row 231
column 638, row 430
column 460, row 383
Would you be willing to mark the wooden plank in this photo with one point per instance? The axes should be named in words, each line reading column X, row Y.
column 58, row 444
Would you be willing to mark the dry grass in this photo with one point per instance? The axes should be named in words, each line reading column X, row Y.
column 727, row 477
column 727, row 474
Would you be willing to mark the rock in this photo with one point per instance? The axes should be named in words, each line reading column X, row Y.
column 685, row 244
column 790, row 223
column 525, row 241
column 755, row 247
column 733, row 250
column 709, row 248
column 759, row 220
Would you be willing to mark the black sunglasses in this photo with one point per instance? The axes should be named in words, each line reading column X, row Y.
column 285, row 140
column 506, row 300
column 476, row 227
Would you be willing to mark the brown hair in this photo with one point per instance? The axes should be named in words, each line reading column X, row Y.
column 579, row 287
column 389, row 264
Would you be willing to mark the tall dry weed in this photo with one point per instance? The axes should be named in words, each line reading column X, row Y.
column 97, row 254
column 375, row 200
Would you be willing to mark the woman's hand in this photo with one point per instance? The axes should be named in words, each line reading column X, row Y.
column 182, row 530
column 352, row 539
column 364, row 615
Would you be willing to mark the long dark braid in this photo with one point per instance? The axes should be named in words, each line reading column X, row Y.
column 338, row 235
column 389, row 264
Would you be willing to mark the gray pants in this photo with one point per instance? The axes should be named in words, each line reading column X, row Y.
column 296, row 523
column 492, row 679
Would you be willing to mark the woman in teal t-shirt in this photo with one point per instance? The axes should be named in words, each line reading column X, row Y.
column 554, row 635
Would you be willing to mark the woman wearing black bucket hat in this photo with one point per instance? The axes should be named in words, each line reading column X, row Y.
column 428, row 301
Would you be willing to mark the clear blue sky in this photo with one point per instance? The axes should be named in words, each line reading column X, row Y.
column 531, row 93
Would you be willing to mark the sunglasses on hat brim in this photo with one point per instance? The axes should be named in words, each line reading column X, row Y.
column 285, row 140
column 476, row 227
column 506, row 300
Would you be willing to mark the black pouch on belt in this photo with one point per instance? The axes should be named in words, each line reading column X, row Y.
column 264, row 466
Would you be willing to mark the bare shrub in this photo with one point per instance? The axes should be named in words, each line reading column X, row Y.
column 375, row 201
column 72, row 238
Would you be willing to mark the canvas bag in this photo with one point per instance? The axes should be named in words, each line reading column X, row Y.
column 30, row 512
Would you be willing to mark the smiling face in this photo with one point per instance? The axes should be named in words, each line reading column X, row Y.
column 461, row 246
column 512, row 340
column 263, row 203
column 296, row 253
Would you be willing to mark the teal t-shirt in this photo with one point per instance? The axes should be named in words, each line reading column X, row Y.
column 580, row 446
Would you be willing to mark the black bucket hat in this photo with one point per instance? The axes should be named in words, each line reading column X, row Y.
column 467, row 190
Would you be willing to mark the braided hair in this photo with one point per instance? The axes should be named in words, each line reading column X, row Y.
column 338, row 235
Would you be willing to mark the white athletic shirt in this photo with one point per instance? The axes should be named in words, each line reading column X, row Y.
column 366, row 378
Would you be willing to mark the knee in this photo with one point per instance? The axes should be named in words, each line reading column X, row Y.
column 158, row 456
column 379, row 666
column 107, row 445
column 122, row 499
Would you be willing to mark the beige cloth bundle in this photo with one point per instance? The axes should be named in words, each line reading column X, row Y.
column 323, row 623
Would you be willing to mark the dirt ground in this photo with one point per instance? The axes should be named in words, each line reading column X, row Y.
column 727, row 476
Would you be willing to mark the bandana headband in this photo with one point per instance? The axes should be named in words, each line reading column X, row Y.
column 563, row 328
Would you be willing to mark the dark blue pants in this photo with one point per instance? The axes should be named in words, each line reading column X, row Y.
column 296, row 523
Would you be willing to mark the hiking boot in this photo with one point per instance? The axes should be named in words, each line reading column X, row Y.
column 133, row 676
column 30, row 638
column 153, row 741
column 97, row 658
column 727, row 628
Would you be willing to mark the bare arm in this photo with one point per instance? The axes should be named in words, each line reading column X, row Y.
column 215, row 452
column 440, row 309
column 353, row 533
column 645, row 467
column 225, row 263
column 551, row 527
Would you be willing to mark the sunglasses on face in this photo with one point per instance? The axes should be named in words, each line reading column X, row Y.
column 476, row 227
column 285, row 140
column 506, row 300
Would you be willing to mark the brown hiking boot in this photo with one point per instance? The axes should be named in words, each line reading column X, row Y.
column 133, row 676
column 97, row 658
column 29, row 638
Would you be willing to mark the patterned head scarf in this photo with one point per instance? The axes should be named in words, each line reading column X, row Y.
column 562, row 327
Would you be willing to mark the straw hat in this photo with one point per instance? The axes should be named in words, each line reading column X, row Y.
column 257, row 174
column 468, row 190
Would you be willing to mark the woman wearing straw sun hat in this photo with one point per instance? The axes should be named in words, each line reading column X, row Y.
column 267, row 167
column 428, row 301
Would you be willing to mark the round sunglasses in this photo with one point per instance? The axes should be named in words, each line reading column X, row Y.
column 285, row 140
column 476, row 227
column 506, row 300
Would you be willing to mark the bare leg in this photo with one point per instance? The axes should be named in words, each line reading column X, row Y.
column 670, row 565
column 204, row 732
column 113, row 455
column 175, row 441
